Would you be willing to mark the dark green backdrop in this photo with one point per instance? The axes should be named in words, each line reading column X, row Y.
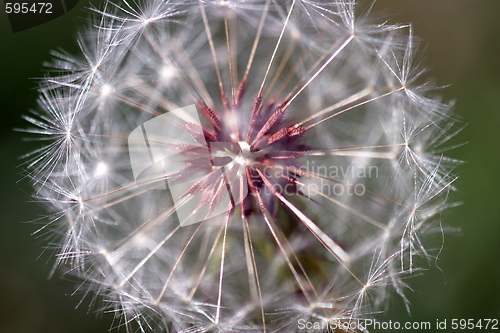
column 462, row 48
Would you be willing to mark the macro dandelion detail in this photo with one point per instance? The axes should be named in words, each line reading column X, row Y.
column 240, row 165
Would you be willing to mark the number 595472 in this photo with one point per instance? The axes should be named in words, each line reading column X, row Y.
column 25, row 8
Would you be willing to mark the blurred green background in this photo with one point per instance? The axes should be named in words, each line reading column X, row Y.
column 461, row 40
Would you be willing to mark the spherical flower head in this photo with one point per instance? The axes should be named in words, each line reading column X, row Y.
column 241, row 165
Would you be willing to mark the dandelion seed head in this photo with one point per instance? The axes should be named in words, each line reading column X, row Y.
column 236, row 166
